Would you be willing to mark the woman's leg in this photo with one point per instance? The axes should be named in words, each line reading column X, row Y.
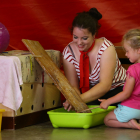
column 107, row 95
column 111, row 121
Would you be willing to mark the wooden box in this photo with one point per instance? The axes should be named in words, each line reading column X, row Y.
column 37, row 100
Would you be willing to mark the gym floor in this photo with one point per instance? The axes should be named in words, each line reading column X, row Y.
column 45, row 131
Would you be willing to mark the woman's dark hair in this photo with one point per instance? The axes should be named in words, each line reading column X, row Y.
column 87, row 20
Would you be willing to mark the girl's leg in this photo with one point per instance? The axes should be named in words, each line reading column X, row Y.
column 135, row 123
column 111, row 121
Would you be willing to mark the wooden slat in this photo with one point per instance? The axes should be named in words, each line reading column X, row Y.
column 120, row 52
column 121, row 55
column 56, row 75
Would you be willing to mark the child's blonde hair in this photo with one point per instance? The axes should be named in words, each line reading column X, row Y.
column 133, row 36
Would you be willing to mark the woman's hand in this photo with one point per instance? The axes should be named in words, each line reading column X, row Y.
column 67, row 106
column 104, row 103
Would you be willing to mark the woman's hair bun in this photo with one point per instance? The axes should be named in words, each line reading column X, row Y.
column 95, row 13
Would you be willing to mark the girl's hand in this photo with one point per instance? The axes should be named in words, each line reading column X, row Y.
column 67, row 106
column 104, row 104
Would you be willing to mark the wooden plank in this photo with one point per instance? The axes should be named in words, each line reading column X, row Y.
column 25, row 120
column 121, row 55
column 57, row 76
column 120, row 52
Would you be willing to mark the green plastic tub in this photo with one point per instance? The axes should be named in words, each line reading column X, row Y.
column 62, row 118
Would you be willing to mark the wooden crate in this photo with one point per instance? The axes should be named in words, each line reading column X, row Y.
column 37, row 100
column 124, row 60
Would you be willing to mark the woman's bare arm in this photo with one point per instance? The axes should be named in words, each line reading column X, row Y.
column 107, row 69
column 71, row 75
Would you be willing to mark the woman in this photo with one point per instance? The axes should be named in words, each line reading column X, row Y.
column 91, row 65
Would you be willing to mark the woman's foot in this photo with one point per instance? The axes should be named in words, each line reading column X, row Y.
column 135, row 124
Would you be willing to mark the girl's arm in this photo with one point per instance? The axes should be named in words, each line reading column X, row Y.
column 129, row 86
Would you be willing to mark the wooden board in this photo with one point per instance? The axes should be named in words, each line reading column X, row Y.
column 123, row 59
column 17, row 122
column 56, row 75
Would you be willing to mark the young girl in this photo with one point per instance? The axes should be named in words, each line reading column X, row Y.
column 128, row 111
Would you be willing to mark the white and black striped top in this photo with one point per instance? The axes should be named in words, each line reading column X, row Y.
column 120, row 72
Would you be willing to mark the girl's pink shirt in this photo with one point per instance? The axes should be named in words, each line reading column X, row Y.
column 134, row 100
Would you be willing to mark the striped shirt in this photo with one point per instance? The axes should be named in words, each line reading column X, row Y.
column 119, row 74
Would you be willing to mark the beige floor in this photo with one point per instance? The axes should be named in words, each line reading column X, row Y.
column 45, row 131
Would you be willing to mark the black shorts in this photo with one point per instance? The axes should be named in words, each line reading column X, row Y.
column 108, row 95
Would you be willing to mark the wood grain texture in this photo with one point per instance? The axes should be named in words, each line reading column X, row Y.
column 56, row 75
